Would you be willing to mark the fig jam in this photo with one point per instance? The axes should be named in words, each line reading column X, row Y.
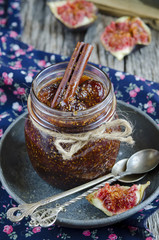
column 88, row 93
column 94, row 103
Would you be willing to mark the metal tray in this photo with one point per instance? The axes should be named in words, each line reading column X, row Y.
column 24, row 185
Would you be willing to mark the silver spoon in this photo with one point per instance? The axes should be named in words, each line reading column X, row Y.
column 141, row 162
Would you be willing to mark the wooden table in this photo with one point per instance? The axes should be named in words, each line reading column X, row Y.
column 44, row 32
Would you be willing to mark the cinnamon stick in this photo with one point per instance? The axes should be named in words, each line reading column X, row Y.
column 67, row 74
column 78, row 72
column 73, row 73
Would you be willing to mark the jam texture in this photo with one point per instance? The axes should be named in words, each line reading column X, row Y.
column 88, row 93
column 93, row 160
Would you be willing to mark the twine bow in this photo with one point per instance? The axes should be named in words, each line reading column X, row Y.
column 77, row 141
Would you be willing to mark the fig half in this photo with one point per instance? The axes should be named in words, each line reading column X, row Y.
column 116, row 199
column 76, row 14
column 122, row 35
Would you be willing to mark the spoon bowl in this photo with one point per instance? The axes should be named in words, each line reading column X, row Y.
column 120, row 166
column 143, row 161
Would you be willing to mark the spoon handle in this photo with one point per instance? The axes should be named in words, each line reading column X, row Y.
column 25, row 210
column 47, row 217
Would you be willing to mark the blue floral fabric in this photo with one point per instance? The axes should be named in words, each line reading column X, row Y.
column 19, row 63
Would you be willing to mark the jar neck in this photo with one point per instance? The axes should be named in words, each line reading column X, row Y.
column 71, row 122
column 67, row 122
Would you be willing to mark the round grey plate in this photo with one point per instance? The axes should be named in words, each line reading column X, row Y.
column 24, row 185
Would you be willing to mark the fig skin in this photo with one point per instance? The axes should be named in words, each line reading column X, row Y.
column 124, row 51
column 78, row 27
column 98, row 203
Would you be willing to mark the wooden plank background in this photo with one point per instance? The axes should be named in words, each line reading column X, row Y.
column 44, row 32
column 141, row 8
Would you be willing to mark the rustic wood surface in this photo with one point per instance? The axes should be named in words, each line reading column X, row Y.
column 44, row 32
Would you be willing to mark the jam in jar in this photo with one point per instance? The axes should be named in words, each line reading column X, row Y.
column 94, row 103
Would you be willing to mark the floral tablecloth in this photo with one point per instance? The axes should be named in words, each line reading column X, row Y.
column 19, row 63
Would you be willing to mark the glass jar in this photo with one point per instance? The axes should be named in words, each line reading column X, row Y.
column 94, row 159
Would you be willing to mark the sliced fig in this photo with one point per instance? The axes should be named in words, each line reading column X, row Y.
column 121, row 36
column 116, row 199
column 140, row 31
column 74, row 14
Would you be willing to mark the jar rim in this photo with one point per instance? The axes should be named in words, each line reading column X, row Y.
column 57, row 112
